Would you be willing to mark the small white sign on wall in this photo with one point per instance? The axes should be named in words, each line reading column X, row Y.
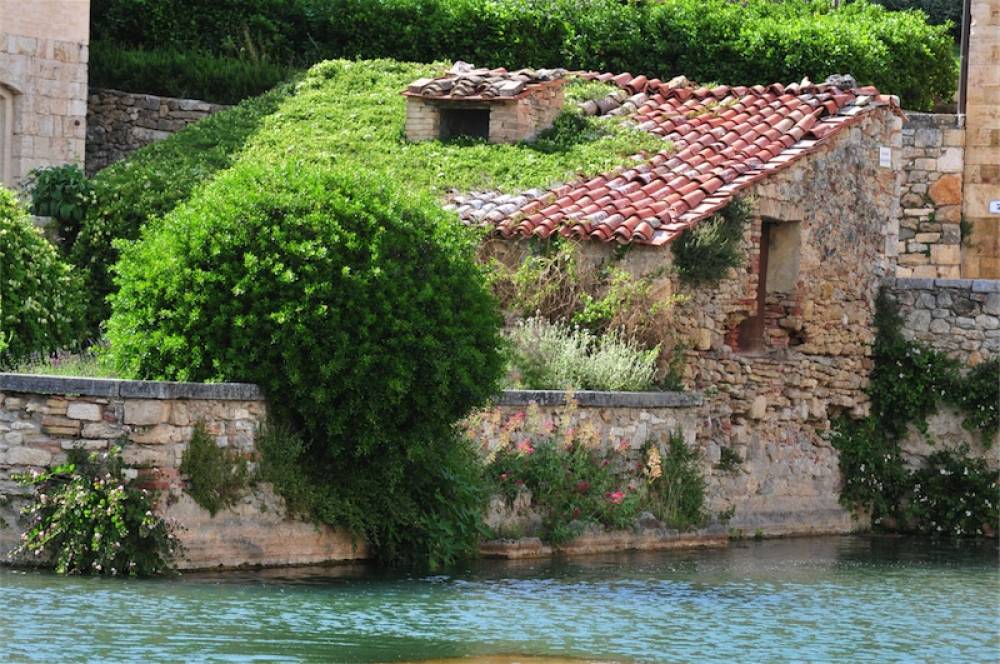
column 885, row 156
column 994, row 207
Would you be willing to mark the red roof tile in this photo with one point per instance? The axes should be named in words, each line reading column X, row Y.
column 723, row 140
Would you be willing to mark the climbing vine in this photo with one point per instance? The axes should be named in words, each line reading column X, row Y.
column 954, row 494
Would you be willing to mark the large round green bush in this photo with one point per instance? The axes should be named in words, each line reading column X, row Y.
column 360, row 311
column 40, row 300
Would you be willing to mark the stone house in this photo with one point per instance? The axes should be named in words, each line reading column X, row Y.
column 780, row 346
column 43, row 84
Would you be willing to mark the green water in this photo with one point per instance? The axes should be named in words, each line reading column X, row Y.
column 847, row 599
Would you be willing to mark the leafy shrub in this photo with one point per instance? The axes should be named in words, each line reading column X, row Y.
column 65, row 194
column 151, row 182
column 954, row 494
column 571, row 487
column 40, row 299
column 757, row 41
column 89, row 519
column 939, row 12
column 704, row 254
column 217, row 477
column 189, row 74
column 676, row 487
column 555, row 356
column 359, row 311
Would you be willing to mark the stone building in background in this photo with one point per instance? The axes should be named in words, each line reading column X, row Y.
column 981, row 186
column 43, row 84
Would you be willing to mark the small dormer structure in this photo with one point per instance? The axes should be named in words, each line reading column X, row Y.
column 495, row 104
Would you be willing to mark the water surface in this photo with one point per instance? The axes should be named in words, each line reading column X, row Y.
column 819, row 600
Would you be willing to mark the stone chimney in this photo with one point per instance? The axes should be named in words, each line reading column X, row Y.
column 500, row 106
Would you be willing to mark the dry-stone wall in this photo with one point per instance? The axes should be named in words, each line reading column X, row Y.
column 960, row 317
column 119, row 123
column 42, row 417
column 930, row 238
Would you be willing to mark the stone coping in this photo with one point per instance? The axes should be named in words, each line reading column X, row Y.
column 154, row 389
column 595, row 399
column 133, row 389
column 974, row 285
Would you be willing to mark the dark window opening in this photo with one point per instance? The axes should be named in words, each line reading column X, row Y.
column 465, row 122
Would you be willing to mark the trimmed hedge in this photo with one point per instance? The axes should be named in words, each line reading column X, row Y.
column 359, row 310
column 40, row 299
column 756, row 41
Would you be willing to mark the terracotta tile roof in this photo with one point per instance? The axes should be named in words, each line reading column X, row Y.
column 468, row 83
column 724, row 139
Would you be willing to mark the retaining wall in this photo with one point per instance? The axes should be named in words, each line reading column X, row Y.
column 43, row 417
column 119, row 123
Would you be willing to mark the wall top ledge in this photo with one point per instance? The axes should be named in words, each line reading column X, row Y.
column 132, row 389
column 974, row 285
column 595, row 399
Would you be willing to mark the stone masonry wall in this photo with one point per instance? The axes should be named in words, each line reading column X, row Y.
column 772, row 406
column 959, row 317
column 42, row 417
column 930, row 239
column 43, row 85
column 119, row 123
column 982, row 143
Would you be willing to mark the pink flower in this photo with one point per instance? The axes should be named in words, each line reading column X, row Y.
column 524, row 447
column 616, row 497
column 503, row 477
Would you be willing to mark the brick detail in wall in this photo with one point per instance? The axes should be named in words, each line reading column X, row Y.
column 119, row 123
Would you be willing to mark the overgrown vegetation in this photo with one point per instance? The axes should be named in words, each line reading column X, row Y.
column 547, row 355
column 704, row 254
column 676, row 487
column 90, row 363
column 40, row 298
column 151, row 182
column 756, row 41
column 348, row 113
column 65, row 194
column 907, row 383
column 576, row 481
column 87, row 518
column 217, row 477
column 358, row 309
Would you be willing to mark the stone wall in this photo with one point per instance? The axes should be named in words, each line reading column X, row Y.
column 773, row 405
column 959, row 317
column 982, row 143
column 42, row 417
column 930, row 239
column 43, row 85
column 119, row 123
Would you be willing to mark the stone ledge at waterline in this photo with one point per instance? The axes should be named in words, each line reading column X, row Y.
column 41, row 417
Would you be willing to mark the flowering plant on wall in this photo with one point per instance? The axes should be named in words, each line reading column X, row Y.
column 574, row 480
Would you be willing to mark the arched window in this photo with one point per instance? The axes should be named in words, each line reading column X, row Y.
column 6, row 135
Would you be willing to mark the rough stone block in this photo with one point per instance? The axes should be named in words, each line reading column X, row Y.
column 28, row 456
column 946, row 254
column 146, row 411
column 947, row 190
column 79, row 410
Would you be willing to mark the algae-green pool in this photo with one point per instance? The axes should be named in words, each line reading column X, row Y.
column 818, row 599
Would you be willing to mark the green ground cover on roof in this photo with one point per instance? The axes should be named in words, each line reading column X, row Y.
column 340, row 112
column 346, row 111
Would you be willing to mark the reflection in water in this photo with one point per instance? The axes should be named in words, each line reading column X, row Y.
column 815, row 599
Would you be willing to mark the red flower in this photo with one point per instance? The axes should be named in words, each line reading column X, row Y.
column 616, row 497
column 583, row 486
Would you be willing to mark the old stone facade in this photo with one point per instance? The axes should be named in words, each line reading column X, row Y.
column 119, row 123
column 982, row 143
column 831, row 223
column 42, row 417
column 43, row 84
column 930, row 236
